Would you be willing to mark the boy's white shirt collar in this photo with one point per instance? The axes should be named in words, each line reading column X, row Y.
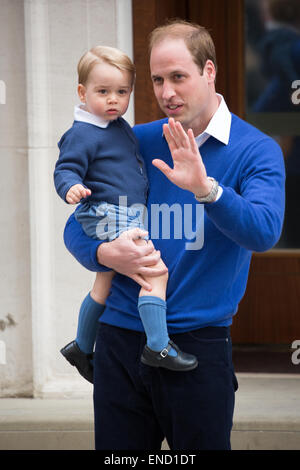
column 219, row 125
column 82, row 115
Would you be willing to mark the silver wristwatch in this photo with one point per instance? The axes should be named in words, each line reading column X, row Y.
column 211, row 196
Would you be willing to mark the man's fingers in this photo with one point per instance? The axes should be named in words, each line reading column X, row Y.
column 150, row 259
column 152, row 271
column 193, row 143
column 163, row 167
column 170, row 138
column 141, row 281
column 134, row 234
column 182, row 135
column 172, row 134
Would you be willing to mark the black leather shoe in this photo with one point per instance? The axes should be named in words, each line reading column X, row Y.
column 79, row 359
column 181, row 362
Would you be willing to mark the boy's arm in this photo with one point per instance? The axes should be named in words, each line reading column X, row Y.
column 72, row 164
column 122, row 254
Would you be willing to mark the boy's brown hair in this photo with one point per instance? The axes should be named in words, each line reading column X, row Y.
column 100, row 54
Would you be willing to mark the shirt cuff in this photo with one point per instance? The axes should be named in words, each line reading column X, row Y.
column 219, row 193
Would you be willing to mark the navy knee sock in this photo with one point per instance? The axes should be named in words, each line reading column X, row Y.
column 89, row 314
column 152, row 311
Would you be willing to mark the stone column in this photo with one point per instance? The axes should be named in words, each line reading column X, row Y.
column 57, row 34
column 15, row 295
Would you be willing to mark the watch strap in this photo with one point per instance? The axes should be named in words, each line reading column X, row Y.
column 211, row 196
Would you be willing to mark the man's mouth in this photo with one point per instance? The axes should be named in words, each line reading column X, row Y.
column 173, row 109
column 174, row 106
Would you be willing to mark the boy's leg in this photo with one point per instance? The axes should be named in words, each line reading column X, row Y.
column 152, row 309
column 80, row 352
column 102, row 285
column 91, row 309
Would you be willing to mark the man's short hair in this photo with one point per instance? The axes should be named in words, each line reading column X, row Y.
column 197, row 39
column 100, row 54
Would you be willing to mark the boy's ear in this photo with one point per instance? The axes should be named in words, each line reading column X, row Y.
column 81, row 92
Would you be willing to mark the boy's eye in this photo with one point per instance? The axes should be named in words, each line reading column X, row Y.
column 102, row 91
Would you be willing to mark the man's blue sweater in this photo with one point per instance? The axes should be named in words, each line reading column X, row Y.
column 205, row 284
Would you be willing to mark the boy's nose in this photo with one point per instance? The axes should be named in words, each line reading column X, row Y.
column 112, row 98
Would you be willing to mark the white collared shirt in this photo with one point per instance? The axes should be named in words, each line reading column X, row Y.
column 219, row 128
column 80, row 114
column 219, row 125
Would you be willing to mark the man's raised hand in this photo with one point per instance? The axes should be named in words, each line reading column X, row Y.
column 188, row 170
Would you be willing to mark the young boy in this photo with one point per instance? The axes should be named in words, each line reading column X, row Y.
column 100, row 166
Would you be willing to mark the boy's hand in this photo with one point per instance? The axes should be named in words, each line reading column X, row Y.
column 76, row 193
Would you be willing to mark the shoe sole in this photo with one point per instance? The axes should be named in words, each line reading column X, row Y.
column 144, row 361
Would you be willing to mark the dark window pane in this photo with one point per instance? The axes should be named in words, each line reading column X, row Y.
column 272, row 54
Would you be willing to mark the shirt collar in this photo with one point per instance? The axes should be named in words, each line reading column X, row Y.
column 219, row 125
column 82, row 115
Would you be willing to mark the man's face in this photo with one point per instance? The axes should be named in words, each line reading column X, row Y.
column 180, row 89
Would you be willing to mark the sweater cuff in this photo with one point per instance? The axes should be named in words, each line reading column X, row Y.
column 219, row 193
column 220, row 206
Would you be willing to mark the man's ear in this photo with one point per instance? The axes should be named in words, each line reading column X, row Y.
column 81, row 92
column 210, row 71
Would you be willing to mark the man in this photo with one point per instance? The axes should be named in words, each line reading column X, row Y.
column 239, row 180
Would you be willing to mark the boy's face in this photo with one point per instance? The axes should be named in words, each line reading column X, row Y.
column 107, row 91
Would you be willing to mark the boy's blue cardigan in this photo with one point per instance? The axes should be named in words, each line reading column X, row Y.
column 105, row 160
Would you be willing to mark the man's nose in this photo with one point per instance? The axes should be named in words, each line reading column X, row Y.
column 168, row 91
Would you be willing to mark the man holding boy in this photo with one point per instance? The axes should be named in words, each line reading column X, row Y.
column 205, row 155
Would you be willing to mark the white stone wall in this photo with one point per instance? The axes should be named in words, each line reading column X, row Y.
column 42, row 286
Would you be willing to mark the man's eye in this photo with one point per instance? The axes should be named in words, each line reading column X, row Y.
column 178, row 76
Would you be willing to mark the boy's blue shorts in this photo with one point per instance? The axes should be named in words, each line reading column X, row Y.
column 106, row 221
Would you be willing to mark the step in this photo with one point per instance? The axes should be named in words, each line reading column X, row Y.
column 267, row 417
